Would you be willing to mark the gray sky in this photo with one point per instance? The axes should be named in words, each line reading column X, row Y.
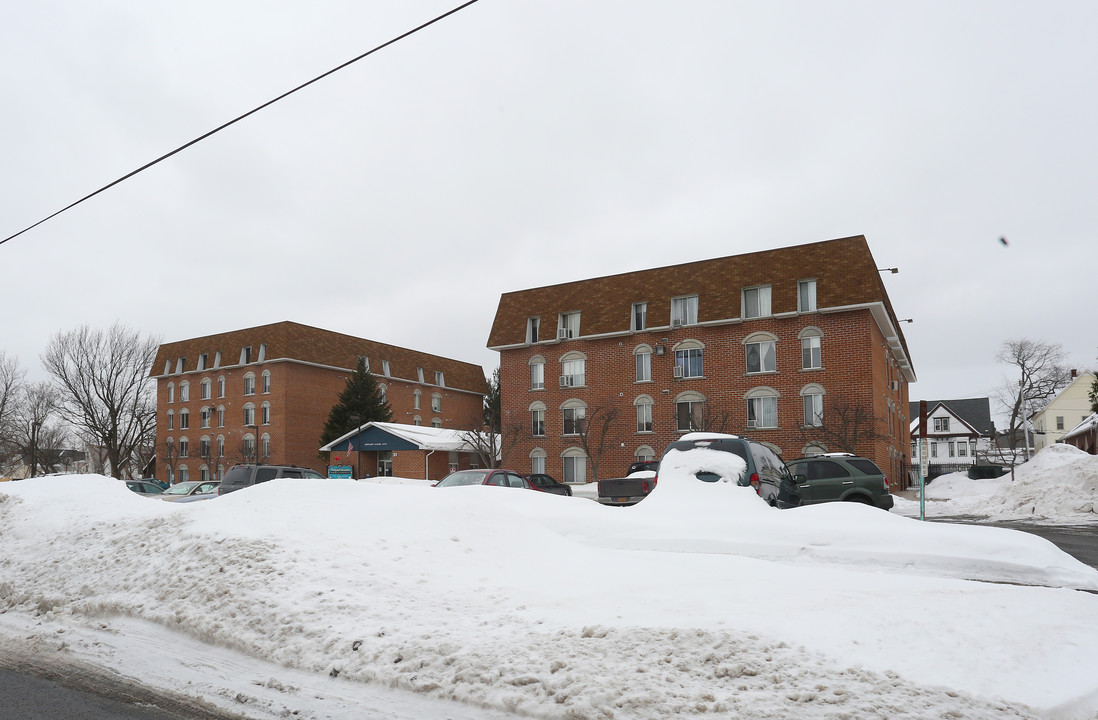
column 519, row 144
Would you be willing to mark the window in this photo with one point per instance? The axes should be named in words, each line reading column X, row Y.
column 184, row 447
column 687, row 413
column 183, row 473
column 266, row 382
column 537, row 373
column 640, row 316
column 573, row 370
column 221, row 387
column 644, row 454
column 265, row 446
column 537, row 420
column 383, row 390
column 249, row 414
column 184, row 391
column 688, row 362
column 574, row 415
column 180, row 365
column 245, row 355
column 537, row 461
column 435, row 422
column 206, row 389
column 806, row 296
column 171, row 420
column 756, row 302
column 762, row 412
column 684, row 310
column 249, row 446
column 440, row 379
column 171, row 392
column 417, row 421
column 962, row 449
column 532, row 326
column 217, row 359
column 941, row 424
column 204, row 447
column 385, row 368
column 205, row 416
column 436, row 402
column 644, row 413
column 167, row 366
column 811, row 354
column 419, row 374
column 265, row 414
column 568, row 325
column 575, row 466
column 204, row 473
column 221, row 446
column 203, row 361
column 813, row 405
column 415, row 399
column 1059, row 422
column 643, row 355
column 249, row 384
column 221, row 416
column 184, row 419
column 760, row 350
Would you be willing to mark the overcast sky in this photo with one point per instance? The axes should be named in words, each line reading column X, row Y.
column 519, row 144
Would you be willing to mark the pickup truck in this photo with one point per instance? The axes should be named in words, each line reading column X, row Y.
column 628, row 490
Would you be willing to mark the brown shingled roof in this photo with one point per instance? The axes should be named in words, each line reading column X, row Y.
column 844, row 269
column 290, row 340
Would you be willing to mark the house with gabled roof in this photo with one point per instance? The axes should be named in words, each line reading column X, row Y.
column 958, row 432
column 410, row 451
column 789, row 346
column 264, row 394
column 1064, row 412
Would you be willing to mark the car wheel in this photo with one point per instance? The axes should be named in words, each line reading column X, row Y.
column 858, row 499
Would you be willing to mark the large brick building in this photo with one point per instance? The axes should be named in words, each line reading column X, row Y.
column 797, row 347
column 266, row 392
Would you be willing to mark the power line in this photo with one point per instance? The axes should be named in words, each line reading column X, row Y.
column 218, row 129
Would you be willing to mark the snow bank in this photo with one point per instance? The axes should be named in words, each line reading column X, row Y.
column 558, row 607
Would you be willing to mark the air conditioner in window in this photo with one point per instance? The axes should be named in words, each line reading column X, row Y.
column 566, row 381
column 562, row 334
column 677, row 322
column 678, row 371
column 752, row 424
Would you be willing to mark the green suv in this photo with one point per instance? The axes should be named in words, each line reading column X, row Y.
column 840, row 476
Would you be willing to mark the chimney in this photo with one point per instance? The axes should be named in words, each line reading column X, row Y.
column 1074, row 373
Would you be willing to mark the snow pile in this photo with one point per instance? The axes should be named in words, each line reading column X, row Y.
column 1059, row 485
column 538, row 605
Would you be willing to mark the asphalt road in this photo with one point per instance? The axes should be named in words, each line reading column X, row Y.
column 1079, row 541
column 31, row 692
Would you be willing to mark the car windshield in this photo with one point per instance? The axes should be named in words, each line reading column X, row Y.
column 181, row 488
column 463, row 477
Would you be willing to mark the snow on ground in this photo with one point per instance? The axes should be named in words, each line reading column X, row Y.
column 322, row 598
column 1058, row 485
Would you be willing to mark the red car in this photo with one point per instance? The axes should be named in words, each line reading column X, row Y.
column 485, row 476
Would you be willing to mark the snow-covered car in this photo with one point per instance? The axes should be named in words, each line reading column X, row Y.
column 762, row 469
column 485, row 476
column 190, row 491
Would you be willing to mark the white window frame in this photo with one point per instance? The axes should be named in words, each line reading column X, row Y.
column 537, row 373
column 533, row 330
column 806, row 295
column 756, row 302
column 684, row 310
column 760, row 344
column 644, row 414
column 643, row 363
column 638, row 321
column 568, row 325
column 811, row 352
column 573, row 366
column 762, row 408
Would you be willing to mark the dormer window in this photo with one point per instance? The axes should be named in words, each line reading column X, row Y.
column 756, row 302
column 440, row 379
column 640, row 316
column 532, row 326
column 806, row 296
column 245, row 355
column 419, row 374
column 568, row 326
column 684, row 311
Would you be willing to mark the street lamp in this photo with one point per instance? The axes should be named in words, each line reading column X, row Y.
column 889, row 270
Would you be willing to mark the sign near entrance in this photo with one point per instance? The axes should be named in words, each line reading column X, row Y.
column 339, row 472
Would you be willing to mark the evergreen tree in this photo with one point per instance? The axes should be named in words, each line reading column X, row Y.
column 493, row 413
column 1093, row 395
column 362, row 398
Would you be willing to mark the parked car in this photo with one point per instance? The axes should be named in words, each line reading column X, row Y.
column 764, row 471
column 642, row 465
column 549, row 484
column 162, row 484
column 144, row 487
column 629, row 490
column 242, row 476
column 485, row 476
column 190, row 491
column 832, row 477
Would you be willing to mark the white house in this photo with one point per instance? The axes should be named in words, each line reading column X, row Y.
column 958, row 432
column 1069, row 408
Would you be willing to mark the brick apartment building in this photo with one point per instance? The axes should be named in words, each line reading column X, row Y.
column 220, row 398
column 790, row 346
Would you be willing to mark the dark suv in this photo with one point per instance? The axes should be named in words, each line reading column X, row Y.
column 841, row 476
column 242, row 476
column 765, row 470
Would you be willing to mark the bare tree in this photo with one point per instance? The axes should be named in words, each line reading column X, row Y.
column 597, row 430
column 1036, row 372
column 492, row 448
column 11, row 387
column 105, row 388
column 844, row 425
column 710, row 418
column 36, row 440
